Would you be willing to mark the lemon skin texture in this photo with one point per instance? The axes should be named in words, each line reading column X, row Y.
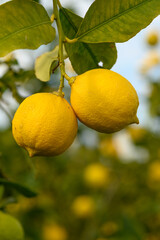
column 44, row 124
column 104, row 100
column 10, row 228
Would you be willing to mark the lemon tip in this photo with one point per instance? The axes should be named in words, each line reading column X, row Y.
column 31, row 152
column 136, row 120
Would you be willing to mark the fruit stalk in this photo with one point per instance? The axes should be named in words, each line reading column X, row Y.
column 61, row 38
column 66, row 38
column 59, row 4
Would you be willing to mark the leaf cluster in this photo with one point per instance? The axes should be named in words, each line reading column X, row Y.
column 89, row 41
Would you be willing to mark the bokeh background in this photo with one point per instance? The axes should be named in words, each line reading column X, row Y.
column 104, row 187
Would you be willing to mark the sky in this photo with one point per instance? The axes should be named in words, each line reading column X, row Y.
column 130, row 56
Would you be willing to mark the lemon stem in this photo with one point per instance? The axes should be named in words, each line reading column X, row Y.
column 62, row 39
column 59, row 4
column 60, row 53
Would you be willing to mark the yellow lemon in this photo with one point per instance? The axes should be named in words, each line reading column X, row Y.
column 154, row 171
column 152, row 38
column 96, row 175
column 108, row 148
column 83, row 206
column 104, row 100
column 54, row 232
column 10, row 228
column 44, row 124
column 137, row 134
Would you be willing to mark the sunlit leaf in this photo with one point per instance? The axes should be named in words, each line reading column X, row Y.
column 24, row 24
column 44, row 63
column 116, row 21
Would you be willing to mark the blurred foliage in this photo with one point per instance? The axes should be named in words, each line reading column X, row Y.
column 126, row 207
column 107, row 190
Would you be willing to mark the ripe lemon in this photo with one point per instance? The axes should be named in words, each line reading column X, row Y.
column 44, row 124
column 96, row 175
column 154, row 171
column 54, row 232
column 137, row 134
column 83, row 206
column 107, row 147
column 10, row 228
column 152, row 38
column 104, row 100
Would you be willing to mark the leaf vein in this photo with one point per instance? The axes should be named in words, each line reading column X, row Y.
column 109, row 20
column 83, row 44
column 22, row 30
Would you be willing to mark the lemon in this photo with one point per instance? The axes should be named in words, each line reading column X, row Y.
column 44, row 124
column 83, row 206
column 137, row 134
column 54, row 232
column 152, row 38
column 154, row 171
column 108, row 148
column 96, row 175
column 10, row 228
column 104, row 100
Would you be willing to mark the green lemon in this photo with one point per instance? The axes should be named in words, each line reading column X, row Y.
column 10, row 228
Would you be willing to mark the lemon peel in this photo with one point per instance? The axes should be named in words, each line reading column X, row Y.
column 44, row 124
column 104, row 100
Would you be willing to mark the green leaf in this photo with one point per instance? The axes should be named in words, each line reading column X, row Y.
column 21, row 189
column 1, row 192
column 44, row 63
column 115, row 20
column 24, row 24
column 85, row 56
column 7, row 201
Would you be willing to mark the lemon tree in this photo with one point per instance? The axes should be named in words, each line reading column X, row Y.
column 45, row 124
column 101, row 99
